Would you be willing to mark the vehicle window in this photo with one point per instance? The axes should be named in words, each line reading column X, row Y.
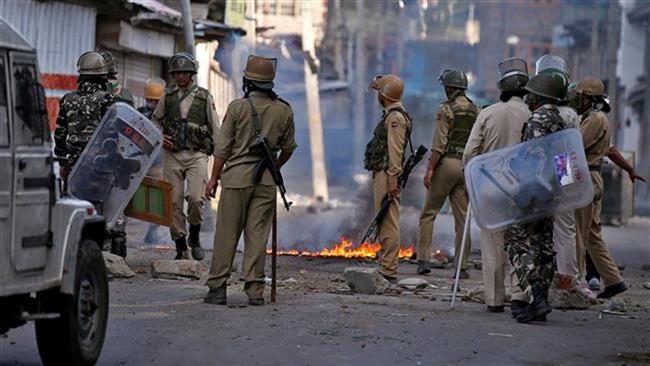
column 4, row 105
column 30, row 126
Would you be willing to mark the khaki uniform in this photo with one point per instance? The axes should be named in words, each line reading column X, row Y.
column 497, row 126
column 190, row 165
column 447, row 181
column 564, row 225
column 397, row 127
column 596, row 139
column 244, row 206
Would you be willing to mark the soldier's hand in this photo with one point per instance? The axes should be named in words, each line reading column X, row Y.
column 211, row 189
column 427, row 178
column 167, row 142
column 634, row 176
column 393, row 189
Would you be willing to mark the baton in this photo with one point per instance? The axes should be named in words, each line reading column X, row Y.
column 459, row 259
column 274, row 253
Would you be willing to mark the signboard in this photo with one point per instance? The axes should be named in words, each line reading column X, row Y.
column 235, row 13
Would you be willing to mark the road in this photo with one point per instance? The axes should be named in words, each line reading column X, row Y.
column 317, row 322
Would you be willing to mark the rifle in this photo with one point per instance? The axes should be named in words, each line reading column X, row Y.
column 268, row 161
column 410, row 163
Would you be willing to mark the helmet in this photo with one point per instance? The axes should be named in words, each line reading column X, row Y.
column 111, row 61
column 453, row 78
column 560, row 77
column 91, row 63
column 591, row 85
column 154, row 88
column 182, row 62
column 571, row 95
column 546, row 86
column 260, row 69
column 513, row 74
column 552, row 62
column 390, row 86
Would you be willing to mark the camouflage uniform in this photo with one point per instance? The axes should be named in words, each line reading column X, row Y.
column 530, row 246
column 79, row 114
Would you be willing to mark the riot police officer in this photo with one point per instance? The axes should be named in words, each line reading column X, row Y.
column 384, row 157
column 530, row 246
column 444, row 177
column 496, row 127
column 189, row 121
column 247, row 204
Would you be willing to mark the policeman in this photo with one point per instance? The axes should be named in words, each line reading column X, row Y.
column 189, row 122
column 498, row 126
column 596, row 139
column 153, row 90
column 244, row 204
column 564, row 226
column 444, row 177
column 530, row 246
column 80, row 112
column 384, row 156
column 114, row 86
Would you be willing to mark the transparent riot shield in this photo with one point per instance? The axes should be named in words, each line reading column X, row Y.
column 530, row 180
column 115, row 160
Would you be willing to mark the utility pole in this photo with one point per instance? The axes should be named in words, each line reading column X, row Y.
column 360, row 85
column 188, row 26
column 613, row 33
column 319, row 172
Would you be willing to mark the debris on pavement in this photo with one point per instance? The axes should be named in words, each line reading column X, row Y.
column 573, row 298
column 365, row 280
column 500, row 335
column 172, row 269
column 413, row 283
column 615, row 305
column 476, row 294
column 116, row 266
column 646, row 285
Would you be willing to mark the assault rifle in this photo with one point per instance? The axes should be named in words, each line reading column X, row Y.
column 410, row 163
column 269, row 162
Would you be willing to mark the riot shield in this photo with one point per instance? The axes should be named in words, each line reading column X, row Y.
column 530, row 180
column 115, row 160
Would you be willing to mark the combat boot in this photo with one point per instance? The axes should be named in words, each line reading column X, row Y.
column 195, row 244
column 216, row 296
column 613, row 290
column 256, row 302
column 518, row 307
column 118, row 243
column 424, row 267
column 181, row 249
column 538, row 309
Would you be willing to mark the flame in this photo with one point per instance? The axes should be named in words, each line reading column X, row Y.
column 345, row 248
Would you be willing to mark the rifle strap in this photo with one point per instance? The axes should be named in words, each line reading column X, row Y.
column 256, row 117
column 408, row 117
column 180, row 100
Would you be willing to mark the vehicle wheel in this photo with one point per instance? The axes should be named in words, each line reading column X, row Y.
column 76, row 338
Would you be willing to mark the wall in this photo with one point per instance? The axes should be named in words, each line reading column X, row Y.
column 60, row 32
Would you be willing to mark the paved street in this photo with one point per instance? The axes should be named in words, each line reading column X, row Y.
column 317, row 321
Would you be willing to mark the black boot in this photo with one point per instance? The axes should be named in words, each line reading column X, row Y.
column 118, row 243
column 613, row 290
column 181, row 249
column 538, row 309
column 424, row 267
column 195, row 244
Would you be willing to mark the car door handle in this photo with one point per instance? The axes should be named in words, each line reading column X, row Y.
column 21, row 165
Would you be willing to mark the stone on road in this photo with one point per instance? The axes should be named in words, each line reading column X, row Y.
column 172, row 269
column 116, row 266
column 365, row 280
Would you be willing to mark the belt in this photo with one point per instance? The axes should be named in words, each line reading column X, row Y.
column 454, row 156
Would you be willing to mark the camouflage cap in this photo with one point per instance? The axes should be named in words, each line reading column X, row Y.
column 390, row 86
column 182, row 62
column 454, row 78
column 92, row 63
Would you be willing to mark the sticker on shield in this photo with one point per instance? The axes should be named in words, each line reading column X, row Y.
column 563, row 169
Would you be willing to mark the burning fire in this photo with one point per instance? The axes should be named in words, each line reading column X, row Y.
column 345, row 248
